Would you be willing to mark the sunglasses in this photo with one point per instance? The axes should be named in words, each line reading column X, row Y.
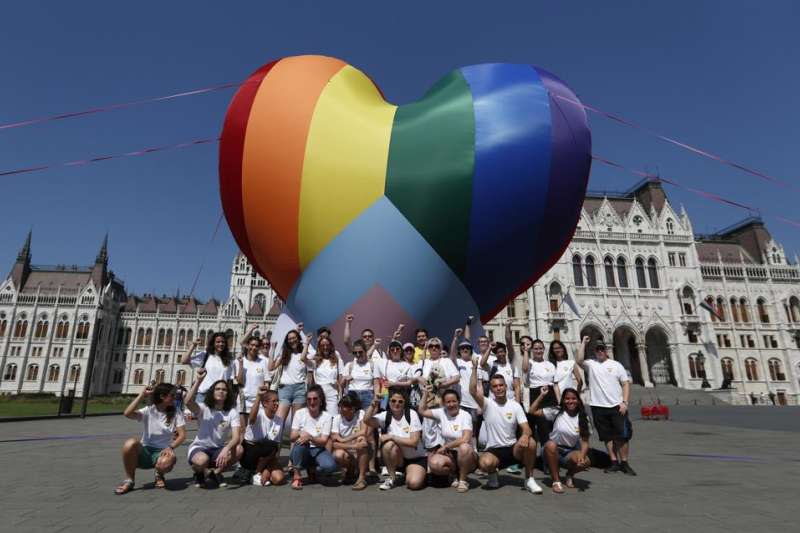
column 409, row 350
column 360, row 352
column 367, row 335
column 436, row 347
column 397, row 402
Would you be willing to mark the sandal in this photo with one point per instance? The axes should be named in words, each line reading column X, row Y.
column 161, row 483
column 569, row 483
column 360, row 485
column 297, row 484
column 462, row 487
column 558, row 488
column 124, row 487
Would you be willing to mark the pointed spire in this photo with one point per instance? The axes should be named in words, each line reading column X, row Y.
column 25, row 252
column 102, row 255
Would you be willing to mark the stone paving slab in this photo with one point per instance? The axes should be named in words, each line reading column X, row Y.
column 693, row 476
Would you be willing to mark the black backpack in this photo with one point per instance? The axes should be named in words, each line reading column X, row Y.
column 388, row 420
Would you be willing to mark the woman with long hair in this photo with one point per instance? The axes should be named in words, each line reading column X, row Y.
column 311, row 431
column 567, row 374
column 251, row 373
column 351, row 447
column 164, row 430
column 290, row 370
column 327, row 373
column 456, row 456
column 568, row 443
column 400, row 440
column 216, row 360
column 216, row 446
column 540, row 373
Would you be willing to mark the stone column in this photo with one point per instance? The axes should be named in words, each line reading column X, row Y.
column 642, row 354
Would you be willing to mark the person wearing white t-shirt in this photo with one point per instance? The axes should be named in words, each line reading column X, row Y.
column 568, row 376
column 216, row 360
column 539, row 373
column 456, row 455
column 499, row 364
column 462, row 357
column 349, row 440
column 501, row 419
column 400, row 441
column 361, row 375
column 164, row 430
column 251, row 371
column 311, row 432
column 326, row 369
column 262, row 440
column 568, row 443
column 216, row 446
column 609, row 390
column 289, row 368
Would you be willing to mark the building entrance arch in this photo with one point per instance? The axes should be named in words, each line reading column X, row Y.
column 626, row 353
column 658, row 357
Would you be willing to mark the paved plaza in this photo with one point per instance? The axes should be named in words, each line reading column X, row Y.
column 710, row 469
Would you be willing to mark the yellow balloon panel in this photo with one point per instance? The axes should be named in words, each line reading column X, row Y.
column 344, row 169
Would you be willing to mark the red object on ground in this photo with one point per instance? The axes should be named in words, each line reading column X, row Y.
column 647, row 412
column 662, row 411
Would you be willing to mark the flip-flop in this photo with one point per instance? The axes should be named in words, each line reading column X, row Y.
column 558, row 488
column 297, row 484
column 160, row 483
column 360, row 485
column 124, row 487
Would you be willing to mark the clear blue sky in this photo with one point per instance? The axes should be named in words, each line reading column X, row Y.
column 719, row 74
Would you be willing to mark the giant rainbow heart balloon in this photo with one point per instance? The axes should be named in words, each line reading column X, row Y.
column 423, row 213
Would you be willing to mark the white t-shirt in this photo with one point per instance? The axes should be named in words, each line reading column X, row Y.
column 403, row 429
column 325, row 372
column 255, row 373
column 605, row 382
column 157, row 433
column 214, row 427
column 264, row 428
column 465, row 373
column 295, row 371
column 316, row 427
column 378, row 355
column 345, row 428
column 443, row 366
column 215, row 370
column 565, row 378
column 540, row 373
column 500, row 422
column 362, row 375
column 452, row 428
column 566, row 429
column 431, row 433
column 396, row 371
column 508, row 371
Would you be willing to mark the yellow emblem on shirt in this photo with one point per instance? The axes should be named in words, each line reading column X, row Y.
column 509, row 415
column 456, row 427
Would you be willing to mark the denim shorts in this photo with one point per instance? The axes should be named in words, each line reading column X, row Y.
column 294, row 394
column 563, row 453
column 365, row 396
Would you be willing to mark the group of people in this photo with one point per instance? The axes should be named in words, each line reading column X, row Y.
column 423, row 413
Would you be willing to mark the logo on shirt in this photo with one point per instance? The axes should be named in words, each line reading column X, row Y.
column 223, row 424
column 509, row 415
column 259, row 370
column 406, row 429
column 456, row 427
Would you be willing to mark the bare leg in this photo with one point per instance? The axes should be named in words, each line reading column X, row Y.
column 488, row 462
column 130, row 456
column 527, row 456
column 165, row 465
column 467, row 461
column 415, row 477
column 200, row 462
column 623, row 451
column 362, row 456
column 611, row 452
column 441, row 465
column 551, row 456
column 392, row 457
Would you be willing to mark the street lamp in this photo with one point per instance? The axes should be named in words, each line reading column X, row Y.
column 701, row 360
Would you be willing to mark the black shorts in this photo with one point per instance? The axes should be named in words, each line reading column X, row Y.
column 253, row 451
column 611, row 424
column 505, row 456
column 420, row 461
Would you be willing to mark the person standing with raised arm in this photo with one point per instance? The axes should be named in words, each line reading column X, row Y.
column 498, row 364
column 540, row 374
column 216, row 360
column 501, row 419
column 609, row 390
column 164, row 430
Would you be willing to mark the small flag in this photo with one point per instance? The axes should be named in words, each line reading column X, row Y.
column 571, row 304
column 710, row 309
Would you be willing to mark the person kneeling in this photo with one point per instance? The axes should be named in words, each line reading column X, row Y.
column 349, row 440
column 400, row 441
column 262, row 439
column 568, row 444
column 216, row 446
column 311, row 431
column 164, row 430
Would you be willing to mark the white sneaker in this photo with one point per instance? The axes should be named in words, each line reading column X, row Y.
column 454, row 484
column 532, row 486
column 388, row 484
column 256, row 479
column 493, row 482
column 384, row 472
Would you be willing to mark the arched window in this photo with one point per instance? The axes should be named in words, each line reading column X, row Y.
column 140, row 336
column 181, row 338
column 743, row 310
column 82, row 331
column 776, row 370
column 261, row 301
column 693, row 366
column 591, row 275
column 734, row 310
column 138, row 376
column 653, row 272
column 721, row 308
column 53, row 373
column 763, row 314
column 41, row 328
column 202, row 337
column 62, row 328
column 710, row 302
column 160, row 341
column 74, row 373
column 148, row 337
column 189, row 336
column 180, row 377
column 726, row 363
column 33, row 373
column 577, row 270
column 11, row 372
column 21, row 327
column 158, row 358
column 3, row 326
column 670, row 227
column 168, row 339
column 640, row 276
column 751, row 369
column 688, row 300
column 160, row 375
column 166, row 358
column 794, row 307
column 608, row 266
column 554, row 295
column 622, row 272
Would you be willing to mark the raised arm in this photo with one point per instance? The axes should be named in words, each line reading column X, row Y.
column 468, row 328
column 422, row 409
column 580, row 353
column 130, row 411
column 346, row 336
column 536, row 407
column 191, row 404
column 253, row 415
column 247, row 334
column 485, row 357
column 398, row 331
column 454, row 344
column 526, row 360
column 578, row 378
column 474, row 390
column 187, row 357
column 240, row 369
column 509, row 339
column 371, row 411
